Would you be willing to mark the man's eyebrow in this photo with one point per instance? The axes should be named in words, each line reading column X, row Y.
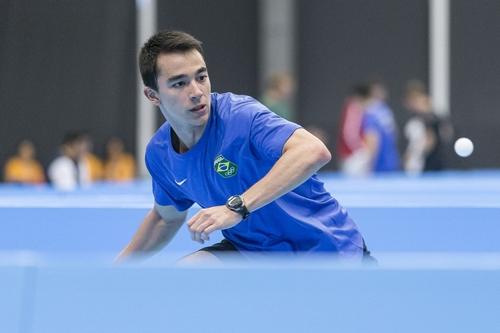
column 201, row 70
column 182, row 76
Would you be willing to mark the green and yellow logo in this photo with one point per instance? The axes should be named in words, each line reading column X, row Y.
column 225, row 167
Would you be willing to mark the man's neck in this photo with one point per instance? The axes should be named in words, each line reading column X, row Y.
column 185, row 139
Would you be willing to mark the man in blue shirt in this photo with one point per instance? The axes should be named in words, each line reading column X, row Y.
column 252, row 172
column 379, row 132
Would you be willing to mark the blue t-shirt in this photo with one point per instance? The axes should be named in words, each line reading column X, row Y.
column 378, row 118
column 240, row 144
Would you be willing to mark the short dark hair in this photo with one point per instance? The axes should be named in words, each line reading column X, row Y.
column 361, row 90
column 71, row 138
column 163, row 42
column 415, row 87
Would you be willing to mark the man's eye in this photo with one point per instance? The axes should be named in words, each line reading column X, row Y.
column 202, row 77
column 179, row 84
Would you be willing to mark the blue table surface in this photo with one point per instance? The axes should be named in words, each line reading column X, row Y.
column 446, row 189
column 435, row 237
column 453, row 211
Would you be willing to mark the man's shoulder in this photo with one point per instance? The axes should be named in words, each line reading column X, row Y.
column 231, row 98
column 238, row 109
column 160, row 137
column 158, row 141
column 231, row 103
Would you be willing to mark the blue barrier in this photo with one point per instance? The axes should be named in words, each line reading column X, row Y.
column 12, row 298
column 287, row 299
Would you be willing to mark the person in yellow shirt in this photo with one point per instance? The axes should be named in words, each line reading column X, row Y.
column 119, row 165
column 94, row 164
column 23, row 167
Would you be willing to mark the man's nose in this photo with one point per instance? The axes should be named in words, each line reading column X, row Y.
column 196, row 92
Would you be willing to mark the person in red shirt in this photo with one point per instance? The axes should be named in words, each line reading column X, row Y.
column 350, row 146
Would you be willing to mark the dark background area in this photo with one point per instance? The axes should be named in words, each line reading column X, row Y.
column 66, row 65
column 71, row 65
column 475, row 79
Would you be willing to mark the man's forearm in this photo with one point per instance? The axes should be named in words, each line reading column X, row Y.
column 294, row 167
column 153, row 233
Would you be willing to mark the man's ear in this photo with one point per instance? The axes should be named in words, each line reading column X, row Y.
column 152, row 96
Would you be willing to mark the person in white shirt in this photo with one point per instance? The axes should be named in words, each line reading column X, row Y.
column 68, row 171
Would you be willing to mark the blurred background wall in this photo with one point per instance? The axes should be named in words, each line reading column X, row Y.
column 70, row 64
column 475, row 77
column 66, row 65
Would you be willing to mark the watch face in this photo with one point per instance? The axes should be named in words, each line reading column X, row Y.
column 235, row 202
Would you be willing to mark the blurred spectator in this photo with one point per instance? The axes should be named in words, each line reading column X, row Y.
column 425, row 131
column 351, row 148
column 119, row 165
column 69, row 171
column 94, row 163
column 23, row 167
column 379, row 131
column 278, row 95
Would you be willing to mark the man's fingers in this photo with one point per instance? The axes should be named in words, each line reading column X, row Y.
column 196, row 236
column 201, row 230
column 194, row 219
column 193, row 235
column 210, row 229
column 197, row 226
column 207, row 221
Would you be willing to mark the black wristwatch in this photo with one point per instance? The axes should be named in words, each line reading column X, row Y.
column 236, row 204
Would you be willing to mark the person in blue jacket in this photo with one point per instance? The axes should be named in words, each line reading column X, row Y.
column 252, row 172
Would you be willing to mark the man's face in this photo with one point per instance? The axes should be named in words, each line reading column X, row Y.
column 183, row 88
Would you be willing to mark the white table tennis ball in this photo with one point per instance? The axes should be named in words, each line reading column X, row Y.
column 464, row 147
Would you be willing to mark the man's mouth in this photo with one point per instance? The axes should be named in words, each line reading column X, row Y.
column 198, row 108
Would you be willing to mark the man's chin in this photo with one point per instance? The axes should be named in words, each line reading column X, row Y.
column 201, row 119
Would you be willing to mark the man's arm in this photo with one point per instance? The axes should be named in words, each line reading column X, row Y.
column 303, row 155
column 157, row 229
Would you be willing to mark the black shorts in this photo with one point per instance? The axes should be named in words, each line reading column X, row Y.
column 225, row 247
column 367, row 257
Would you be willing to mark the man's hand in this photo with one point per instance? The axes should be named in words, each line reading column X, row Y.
column 210, row 219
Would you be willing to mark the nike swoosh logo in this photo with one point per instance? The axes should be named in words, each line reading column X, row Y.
column 181, row 182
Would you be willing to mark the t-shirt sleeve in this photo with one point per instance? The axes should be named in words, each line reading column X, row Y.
column 164, row 198
column 269, row 133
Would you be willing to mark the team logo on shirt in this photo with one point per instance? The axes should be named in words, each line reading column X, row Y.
column 225, row 167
